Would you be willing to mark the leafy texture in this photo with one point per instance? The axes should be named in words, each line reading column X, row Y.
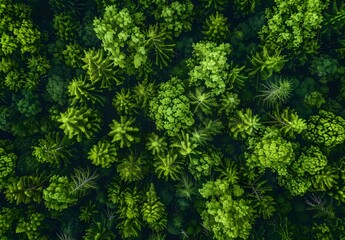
column 171, row 108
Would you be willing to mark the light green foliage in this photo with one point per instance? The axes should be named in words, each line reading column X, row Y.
column 176, row 17
column 121, row 37
column 57, row 195
column 123, row 132
column 79, row 122
column 7, row 64
column 72, row 54
column 168, row 166
column 228, row 103
column 100, row 69
column 201, row 165
column 276, row 92
column 15, row 79
column 17, row 30
column 228, row 215
column 25, row 189
column 124, row 101
column 31, row 226
column 53, row 149
column 289, row 122
column 156, row 42
column 325, row 129
column 7, row 163
column 321, row 232
column 244, row 124
column 202, row 101
column 209, row 66
column 171, row 108
column 216, row 28
column 185, row 145
column 296, row 185
column 293, row 25
column 156, row 144
column 266, row 63
column 132, row 168
column 325, row 179
column 103, row 153
column 129, row 213
column 153, row 211
column 65, row 26
column 314, row 99
column 272, row 152
column 310, row 162
column 82, row 91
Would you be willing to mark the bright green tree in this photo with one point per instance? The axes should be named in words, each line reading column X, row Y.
column 170, row 109
column 103, row 153
column 122, row 37
column 325, row 129
column 79, row 123
column 57, row 195
column 209, row 66
column 153, row 211
column 228, row 215
column 123, row 132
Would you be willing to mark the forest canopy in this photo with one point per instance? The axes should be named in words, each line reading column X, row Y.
column 172, row 119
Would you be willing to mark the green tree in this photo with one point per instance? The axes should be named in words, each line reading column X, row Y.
column 171, row 108
column 103, row 153
column 53, row 149
column 82, row 91
column 31, row 226
column 266, row 63
column 122, row 37
column 8, row 162
column 168, row 166
column 100, row 69
column 176, row 17
column 244, row 123
column 209, row 66
column 57, row 195
column 325, row 129
column 123, row 132
column 158, row 43
column 216, row 28
column 153, row 211
column 132, row 168
column 270, row 152
column 228, row 215
column 25, row 189
column 293, row 25
column 79, row 122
